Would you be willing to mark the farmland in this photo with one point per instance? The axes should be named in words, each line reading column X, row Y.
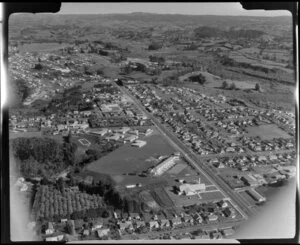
column 51, row 203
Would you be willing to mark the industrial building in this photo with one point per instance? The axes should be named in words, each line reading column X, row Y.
column 255, row 195
column 164, row 165
column 191, row 189
column 249, row 180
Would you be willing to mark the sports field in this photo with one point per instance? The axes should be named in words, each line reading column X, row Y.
column 267, row 132
column 128, row 159
column 84, row 142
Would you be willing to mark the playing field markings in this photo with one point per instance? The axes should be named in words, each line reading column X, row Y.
column 84, row 142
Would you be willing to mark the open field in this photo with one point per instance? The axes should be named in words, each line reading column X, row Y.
column 267, row 132
column 147, row 197
column 195, row 179
column 211, row 195
column 41, row 47
column 161, row 197
column 13, row 135
column 177, row 168
column 127, row 159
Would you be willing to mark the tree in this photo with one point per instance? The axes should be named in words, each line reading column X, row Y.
column 224, row 85
column 100, row 71
column 45, row 181
column 154, row 46
column 105, row 214
column 61, row 184
column 86, row 70
column 257, row 87
column 38, row 66
column 232, row 86
column 70, row 228
column 67, row 138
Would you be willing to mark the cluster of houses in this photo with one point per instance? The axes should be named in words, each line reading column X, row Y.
column 56, row 231
column 57, row 73
column 147, row 222
column 276, row 144
column 74, row 122
column 127, row 223
column 246, row 162
column 125, row 134
column 234, row 120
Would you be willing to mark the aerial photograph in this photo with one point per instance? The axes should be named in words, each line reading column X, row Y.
column 149, row 121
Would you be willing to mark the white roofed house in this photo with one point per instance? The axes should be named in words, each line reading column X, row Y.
column 50, row 229
column 188, row 219
column 54, row 238
column 230, row 149
column 82, row 125
column 61, row 127
column 130, row 138
column 262, row 158
column 86, row 113
column 72, row 123
column 153, row 224
column 103, row 232
column 129, row 226
column 212, row 217
column 198, row 218
column 97, row 225
column 115, row 137
column 24, row 187
column 139, row 223
column 164, row 223
column 176, row 222
column 122, row 130
column 101, row 132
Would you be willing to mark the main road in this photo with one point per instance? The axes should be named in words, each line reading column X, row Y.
column 240, row 204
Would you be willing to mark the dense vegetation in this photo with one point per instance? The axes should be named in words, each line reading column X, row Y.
column 198, row 78
column 52, row 204
column 103, row 148
column 70, row 99
column 42, row 156
column 20, row 91
column 154, row 46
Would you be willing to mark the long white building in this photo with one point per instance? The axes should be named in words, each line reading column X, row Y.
column 164, row 165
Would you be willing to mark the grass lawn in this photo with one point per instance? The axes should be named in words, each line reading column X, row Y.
column 212, row 196
column 13, row 135
column 267, row 132
column 40, row 47
column 127, row 159
column 248, row 198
